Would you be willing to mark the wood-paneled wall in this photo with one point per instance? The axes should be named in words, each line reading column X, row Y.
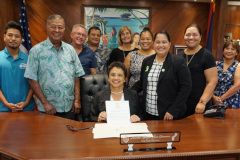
column 9, row 11
column 170, row 16
column 233, row 21
column 165, row 15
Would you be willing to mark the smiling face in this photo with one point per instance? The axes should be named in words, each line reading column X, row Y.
column 116, row 78
column 192, row 37
column 78, row 35
column 161, row 45
column 126, row 37
column 94, row 37
column 230, row 52
column 146, row 41
column 12, row 38
column 55, row 30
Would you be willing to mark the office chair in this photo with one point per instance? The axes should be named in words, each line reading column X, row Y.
column 89, row 86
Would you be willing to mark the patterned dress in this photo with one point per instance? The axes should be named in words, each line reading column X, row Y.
column 135, row 67
column 225, row 81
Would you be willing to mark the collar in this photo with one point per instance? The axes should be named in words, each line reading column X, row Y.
column 50, row 44
column 20, row 54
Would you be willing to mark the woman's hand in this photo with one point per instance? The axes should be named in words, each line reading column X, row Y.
column 168, row 116
column 217, row 100
column 134, row 118
column 102, row 116
column 200, row 107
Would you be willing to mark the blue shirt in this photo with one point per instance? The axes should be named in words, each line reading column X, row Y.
column 13, row 85
column 88, row 59
column 55, row 70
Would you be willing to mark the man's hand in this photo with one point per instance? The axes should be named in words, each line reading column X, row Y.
column 21, row 105
column 49, row 108
column 11, row 106
column 76, row 107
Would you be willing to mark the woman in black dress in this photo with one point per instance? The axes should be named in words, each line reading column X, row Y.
column 203, row 70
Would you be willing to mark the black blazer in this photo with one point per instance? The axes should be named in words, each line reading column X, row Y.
column 102, row 96
column 173, row 88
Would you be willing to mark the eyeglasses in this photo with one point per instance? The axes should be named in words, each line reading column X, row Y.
column 80, row 34
column 75, row 129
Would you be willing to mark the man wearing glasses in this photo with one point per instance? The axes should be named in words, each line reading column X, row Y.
column 53, row 70
column 85, row 54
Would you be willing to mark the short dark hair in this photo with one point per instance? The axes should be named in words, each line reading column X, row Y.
column 233, row 43
column 196, row 26
column 164, row 33
column 14, row 25
column 146, row 29
column 117, row 65
column 94, row 28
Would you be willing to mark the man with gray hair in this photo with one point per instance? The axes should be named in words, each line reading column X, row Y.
column 85, row 54
column 53, row 70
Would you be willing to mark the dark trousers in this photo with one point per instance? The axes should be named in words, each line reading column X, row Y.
column 68, row 115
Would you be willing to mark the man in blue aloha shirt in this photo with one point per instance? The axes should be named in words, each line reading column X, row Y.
column 101, row 51
column 53, row 70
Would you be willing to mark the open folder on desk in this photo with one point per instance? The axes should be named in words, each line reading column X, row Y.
column 104, row 130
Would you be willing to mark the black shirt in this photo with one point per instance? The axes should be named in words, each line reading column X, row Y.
column 201, row 61
column 118, row 55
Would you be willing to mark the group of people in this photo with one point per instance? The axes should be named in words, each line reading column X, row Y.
column 157, row 84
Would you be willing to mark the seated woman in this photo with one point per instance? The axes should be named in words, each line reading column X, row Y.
column 165, row 81
column 227, row 90
column 117, row 75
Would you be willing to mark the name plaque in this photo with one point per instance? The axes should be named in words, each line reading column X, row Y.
column 147, row 138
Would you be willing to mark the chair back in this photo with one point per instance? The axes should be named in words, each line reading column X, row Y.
column 89, row 86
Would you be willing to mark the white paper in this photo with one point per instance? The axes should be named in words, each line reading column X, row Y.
column 118, row 112
column 104, row 130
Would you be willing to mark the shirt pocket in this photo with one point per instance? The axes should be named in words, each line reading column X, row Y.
column 69, row 67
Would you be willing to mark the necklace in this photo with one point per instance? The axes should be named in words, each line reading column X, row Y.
column 188, row 61
column 117, row 92
column 191, row 51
